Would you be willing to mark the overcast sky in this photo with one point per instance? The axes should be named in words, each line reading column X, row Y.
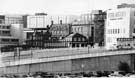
column 57, row 7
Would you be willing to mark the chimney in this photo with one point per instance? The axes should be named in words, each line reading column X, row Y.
column 52, row 22
column 60, row 21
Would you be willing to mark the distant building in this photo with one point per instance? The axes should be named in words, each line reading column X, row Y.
column 66, row 19
column 16, row 30
column 6, row 38
column 125, row 5
column 60, row 30
column 84, row 29
column 76, row 40
column 13, row 19
column 2, row 19
column 37, row 37
column 99, row 25
column 120, row 23
column 41, row 20
column 95, row 22
column 36, row 21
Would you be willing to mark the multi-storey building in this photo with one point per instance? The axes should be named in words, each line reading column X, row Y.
column 92, row 26
column 99, row 24
column 11, row 27
column 125, row 5
column 120, row 23
column 42, row 20
column 36, row 21
column 84, row 29
column 5, row 36
column 60, row 30
column 13, row 19
column 66, row 19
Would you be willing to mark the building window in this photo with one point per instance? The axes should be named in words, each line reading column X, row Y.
column 108, row 31
column 75, row 39
column 81, row 29
column 83, row 39
column 134, row 30
column 118, row 31
column 113, row 31
column 78, row 29
column 5, row 40
column 74, row 29
column 79, row 39
column 123, row 30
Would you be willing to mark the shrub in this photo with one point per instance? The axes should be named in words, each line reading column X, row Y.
column 124, row 67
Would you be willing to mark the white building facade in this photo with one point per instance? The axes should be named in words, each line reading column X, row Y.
column 120, row 23
column 41, row 21
column 6, row 37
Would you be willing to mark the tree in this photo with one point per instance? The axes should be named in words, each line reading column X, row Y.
column 124, row 67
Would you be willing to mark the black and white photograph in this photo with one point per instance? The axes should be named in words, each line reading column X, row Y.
column 67, row 38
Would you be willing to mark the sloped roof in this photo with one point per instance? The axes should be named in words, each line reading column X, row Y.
column 69, row 37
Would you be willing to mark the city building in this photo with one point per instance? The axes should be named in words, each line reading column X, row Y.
column 36, row 21
column 84, row 29
column 42, row 20
column 60, row 30
column 11, row 27
column 2, row 19
column 16, row 30
column 94, row 23
column 120, row 23
column 13, row 19
column 66, row 19
column 125, row 5
column 76, row 40
column 6, row 38
column 38, row 38
column 99, row 26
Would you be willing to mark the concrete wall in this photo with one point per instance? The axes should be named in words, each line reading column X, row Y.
column 59, row 66
column 107, row 63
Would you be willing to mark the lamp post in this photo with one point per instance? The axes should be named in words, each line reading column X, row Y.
column 88, row 49
column 82, row 66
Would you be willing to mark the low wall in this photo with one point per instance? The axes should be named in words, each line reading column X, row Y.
column 102, row 63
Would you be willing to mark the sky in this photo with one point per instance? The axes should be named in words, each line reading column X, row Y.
column 57, row 7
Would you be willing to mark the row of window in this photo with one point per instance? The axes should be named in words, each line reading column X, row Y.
column 5, row 33
column 9, row 40
column 78, row 29
column 4, row 27
column 78, row 39
column 60, row 32
column 125, row 39
column 113, row 31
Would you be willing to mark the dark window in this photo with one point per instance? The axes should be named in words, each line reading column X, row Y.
column 128, row 45
column 75, row 39
column 5, row 40
column 14, row 40
column 134, row 30
column 118, row 31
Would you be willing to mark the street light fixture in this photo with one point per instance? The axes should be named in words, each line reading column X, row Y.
column 82, row 66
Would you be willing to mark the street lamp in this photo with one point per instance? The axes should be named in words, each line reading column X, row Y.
column 82, row 66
